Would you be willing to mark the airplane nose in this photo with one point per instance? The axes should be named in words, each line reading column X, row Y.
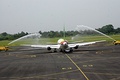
column 64, row 43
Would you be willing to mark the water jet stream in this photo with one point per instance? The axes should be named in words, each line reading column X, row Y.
column 78, row 26
column 35, row 35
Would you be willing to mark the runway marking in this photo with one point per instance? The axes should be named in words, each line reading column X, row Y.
column 118, row 78
column 63, row 68
column 108, row 74
column 42, row 76
column 60, row 73
column 25, row 56
column 69, row 68
column 90, row 65
column 98, row 59
column 78, row 67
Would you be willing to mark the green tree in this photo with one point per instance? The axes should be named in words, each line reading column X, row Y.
column 117, row 30
column 107, row 29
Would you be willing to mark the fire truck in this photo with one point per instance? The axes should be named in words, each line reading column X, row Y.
column 116, row 42
column 4, row 48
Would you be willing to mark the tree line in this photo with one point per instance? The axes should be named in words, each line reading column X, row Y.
column 107, row 29
column 6, row 36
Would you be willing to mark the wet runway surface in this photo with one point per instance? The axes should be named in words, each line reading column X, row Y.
column 86, row 63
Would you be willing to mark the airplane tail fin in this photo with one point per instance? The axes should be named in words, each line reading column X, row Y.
column 64, row 32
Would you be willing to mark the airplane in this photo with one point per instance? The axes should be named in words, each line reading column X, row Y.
column 64, row 46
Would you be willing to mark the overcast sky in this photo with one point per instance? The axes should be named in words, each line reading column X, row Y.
column 35, row 15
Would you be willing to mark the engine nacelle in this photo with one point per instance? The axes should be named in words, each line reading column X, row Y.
column 76, row 47
column 49, row 48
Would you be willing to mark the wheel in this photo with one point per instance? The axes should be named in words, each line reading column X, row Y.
column 70, row 50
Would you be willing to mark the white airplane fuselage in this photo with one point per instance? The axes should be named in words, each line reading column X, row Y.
column 64, row 46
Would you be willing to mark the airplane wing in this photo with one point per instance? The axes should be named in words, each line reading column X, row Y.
column 70, row 45
column 85, row 43
column 46, row 46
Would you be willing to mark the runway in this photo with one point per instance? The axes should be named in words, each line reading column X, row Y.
column 94, row 62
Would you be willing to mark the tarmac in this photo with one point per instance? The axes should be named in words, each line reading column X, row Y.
column 93, row 62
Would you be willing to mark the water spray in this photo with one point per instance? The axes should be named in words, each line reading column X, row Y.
column 78, row 26
column 37, row 35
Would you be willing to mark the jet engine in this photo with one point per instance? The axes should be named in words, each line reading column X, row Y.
column 48, row 48
column 76, row 47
